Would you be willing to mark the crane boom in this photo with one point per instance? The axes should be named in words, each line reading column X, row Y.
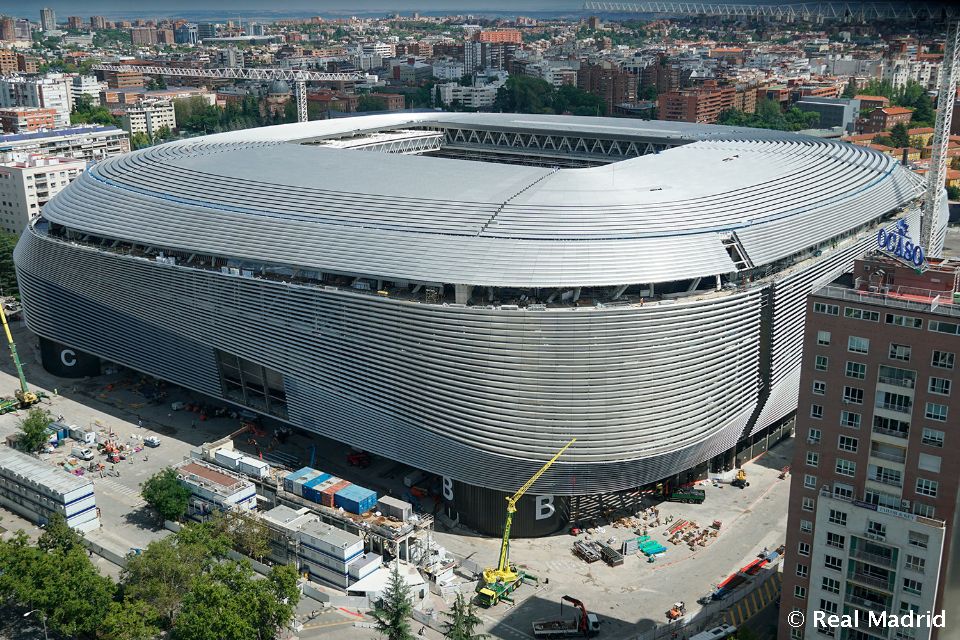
column 299, row 77
column 13, row 352
column 504, row 572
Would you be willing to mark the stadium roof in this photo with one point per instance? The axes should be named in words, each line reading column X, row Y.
column 256, row 195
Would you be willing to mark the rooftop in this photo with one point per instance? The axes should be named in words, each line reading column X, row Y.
column 206, row 476
column 40, row 473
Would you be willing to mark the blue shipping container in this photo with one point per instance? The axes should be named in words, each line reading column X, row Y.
column 311, row 490
column 355, row 499
column 288, row 481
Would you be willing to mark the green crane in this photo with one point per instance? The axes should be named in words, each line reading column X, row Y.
column 24, row 397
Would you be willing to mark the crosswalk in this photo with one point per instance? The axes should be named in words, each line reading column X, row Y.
column 113, row 486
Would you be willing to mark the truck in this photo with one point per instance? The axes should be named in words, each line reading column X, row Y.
column 696, row 496
column 585, row 624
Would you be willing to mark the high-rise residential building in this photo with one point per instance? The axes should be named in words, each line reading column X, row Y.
column 165, row 36
column 25, row 119
column 74, row 22
column 85, row 86
column 702, row 104
column 8, row 29
column 499, row 35
column 27, row 63
column 150, row 117
column 48, row 19
column 143, row 36
column 98, row 22
column 86, row 142
column 23, row 29
column 873, row 499
column 8, row 62
column 206, row 30
column 611, row 83
column 51, row 91
column 186, row 34
column 27, row 182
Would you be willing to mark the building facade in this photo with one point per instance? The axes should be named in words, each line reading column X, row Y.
column 48, row 19
column 26, row 119
column 149, row 117
column 27, row 182
column 86, row 142
column 702, row 104
column 50, row 92
column 609, row 82
column 833, row 112
column 873, row 498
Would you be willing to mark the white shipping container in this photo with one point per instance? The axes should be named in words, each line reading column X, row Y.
column 394, row 508
column 229, row 459
column 254, row 467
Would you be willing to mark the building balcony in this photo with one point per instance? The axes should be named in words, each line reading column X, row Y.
column 891, row 457
column 869, row 605
column 905, row 383
column 891, row 432
column 872, row 558
column 897, row 408
column 892, row 482
column 871, row 581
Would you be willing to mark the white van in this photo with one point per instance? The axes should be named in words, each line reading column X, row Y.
column 83, row 453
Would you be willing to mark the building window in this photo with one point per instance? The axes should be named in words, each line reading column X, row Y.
column 846, row 467
column 810, row 481
column 890, row 426
column 934, row 411
column 853, row 395
column 813, row 436
column 819, row 388
column 842, row 491
column 802, row 570
column 899, row 352
column 925, row 510
column 856, row 370
column 832, row 562
column 820, row 363
column 813, row 458
column 943, row 359
column 828, row 309
column 939, row 326
column 919, row 540
column 829, row 606
column 808, row 504
column 894, row 402
column 796, row 634
column 806, row 526
column 912, row 586
column 876, row 530
column 861, row 314
column 835, row 540
column 803, row 549
column 915, row 563
column 850, row 419
column 800, row 592
column 904, row 321
column 823, row 338
column 940, row 386
column 838, row 517
column 816, row 411
column 932, row 437
column 927, row 462
column 856, row 344
column 830, row 585
column 927, row 487
column 846, row 443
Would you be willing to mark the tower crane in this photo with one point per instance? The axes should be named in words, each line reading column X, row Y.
column 300, row 77
column 500, row 581
column 947, row 13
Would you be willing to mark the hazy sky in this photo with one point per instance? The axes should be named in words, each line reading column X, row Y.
column 85, row 8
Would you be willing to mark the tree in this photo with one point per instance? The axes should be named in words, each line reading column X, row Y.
column 850, row 90
column 393, row 610
column 33, row 431
column 953, row 193
column 166, row 495
column 371, row 103
column 139, row 140
column 899, row 135
column 463, row 620
column 129, row 620
column 57, row 536
column 207, row 538
column 162, row 574
column 248, row 534
column 8, row 274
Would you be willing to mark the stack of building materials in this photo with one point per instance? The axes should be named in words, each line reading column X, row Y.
column 394, row 508
column 355, row 499
column 36, row 491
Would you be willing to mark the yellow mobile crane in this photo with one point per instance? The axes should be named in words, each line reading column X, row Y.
column 24, row 397
column 498, row 583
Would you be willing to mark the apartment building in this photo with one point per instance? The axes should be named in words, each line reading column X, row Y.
column 86, row 142
column 143, row 36
column 8, row 62
column 24, row 119
column 48, row 19
column 499, row 35
column 50, row 92
column 608, row 81
column 27, row 182
column 123, row 79
column 886, row 118
column 149, row 117
column 85, row 86
column 874, row 495
column 702, row 104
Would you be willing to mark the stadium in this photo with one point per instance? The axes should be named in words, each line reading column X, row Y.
column 464, row 293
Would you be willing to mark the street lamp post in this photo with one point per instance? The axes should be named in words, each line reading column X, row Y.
column 43, row 619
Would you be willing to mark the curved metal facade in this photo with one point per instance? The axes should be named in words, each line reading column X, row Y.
column 480, row 394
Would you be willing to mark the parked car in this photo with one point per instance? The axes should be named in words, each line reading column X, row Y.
column 151, row 441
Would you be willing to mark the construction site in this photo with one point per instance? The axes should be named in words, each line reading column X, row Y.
column 687, row 560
